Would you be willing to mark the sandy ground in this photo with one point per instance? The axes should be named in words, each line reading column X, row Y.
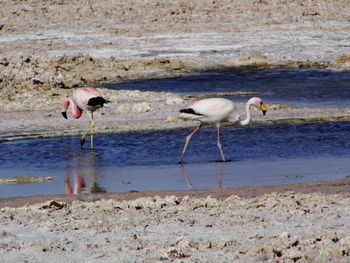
column 233, row 225
column 48, row 48
column 285, row 227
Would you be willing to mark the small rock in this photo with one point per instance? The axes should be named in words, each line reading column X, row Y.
column 174, row 100
column 184, row 243
column 123, row 109
column 294, row 255
column 204, row 245
column 275, row 107
column 141, row 203
column 37, row 81
column 175, row 253
column 271, row 203
column 142, row 107
column 224, row 242
column 211, row 202
column 284, row 235
column 173, row 200
column 277, row 252
column 4, row 62
column 174, row 119
column 53, row 204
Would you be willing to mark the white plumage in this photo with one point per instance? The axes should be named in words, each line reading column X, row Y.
column 216, row 111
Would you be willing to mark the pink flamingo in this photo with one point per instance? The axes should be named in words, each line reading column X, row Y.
column 216, row 111
column 88, row 100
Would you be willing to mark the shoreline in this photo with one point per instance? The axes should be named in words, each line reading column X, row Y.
column 155, row 128
column 145, row 116
column 331, row 187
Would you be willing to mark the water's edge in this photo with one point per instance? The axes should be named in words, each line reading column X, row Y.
column 155, row 126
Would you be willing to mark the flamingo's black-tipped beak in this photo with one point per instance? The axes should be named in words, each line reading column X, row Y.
column 263, row 108
column 64, row 114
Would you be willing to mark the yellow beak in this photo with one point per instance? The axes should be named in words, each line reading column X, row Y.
column 263, row 108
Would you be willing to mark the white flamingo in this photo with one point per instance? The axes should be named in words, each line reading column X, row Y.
column 216, row 111
column 88, row 100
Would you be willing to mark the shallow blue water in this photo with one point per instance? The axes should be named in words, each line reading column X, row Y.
column 258, row 155
column 301, row 87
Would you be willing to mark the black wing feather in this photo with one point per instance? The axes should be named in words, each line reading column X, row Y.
column 97, row 101
column 190, row 111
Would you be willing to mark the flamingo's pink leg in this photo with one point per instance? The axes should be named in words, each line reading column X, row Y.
column 188, row 138
column 219, row 144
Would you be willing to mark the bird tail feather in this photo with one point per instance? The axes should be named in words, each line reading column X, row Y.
column 188, row 116
column 97, row 101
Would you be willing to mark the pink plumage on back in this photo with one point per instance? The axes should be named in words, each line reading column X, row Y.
column 82, row 96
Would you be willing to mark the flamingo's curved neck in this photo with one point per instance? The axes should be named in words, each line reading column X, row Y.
column 249, row 117
column 76, row 112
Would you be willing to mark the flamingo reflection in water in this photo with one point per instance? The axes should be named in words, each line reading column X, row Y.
column 82, row 167
column 79, row 183
column 188, row 180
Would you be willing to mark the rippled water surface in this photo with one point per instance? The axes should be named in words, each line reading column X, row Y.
column 258, row 155
column 302, row 87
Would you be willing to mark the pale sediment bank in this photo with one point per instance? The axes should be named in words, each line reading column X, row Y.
column 157, row 114
column 74, row 44
column 284, row 227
